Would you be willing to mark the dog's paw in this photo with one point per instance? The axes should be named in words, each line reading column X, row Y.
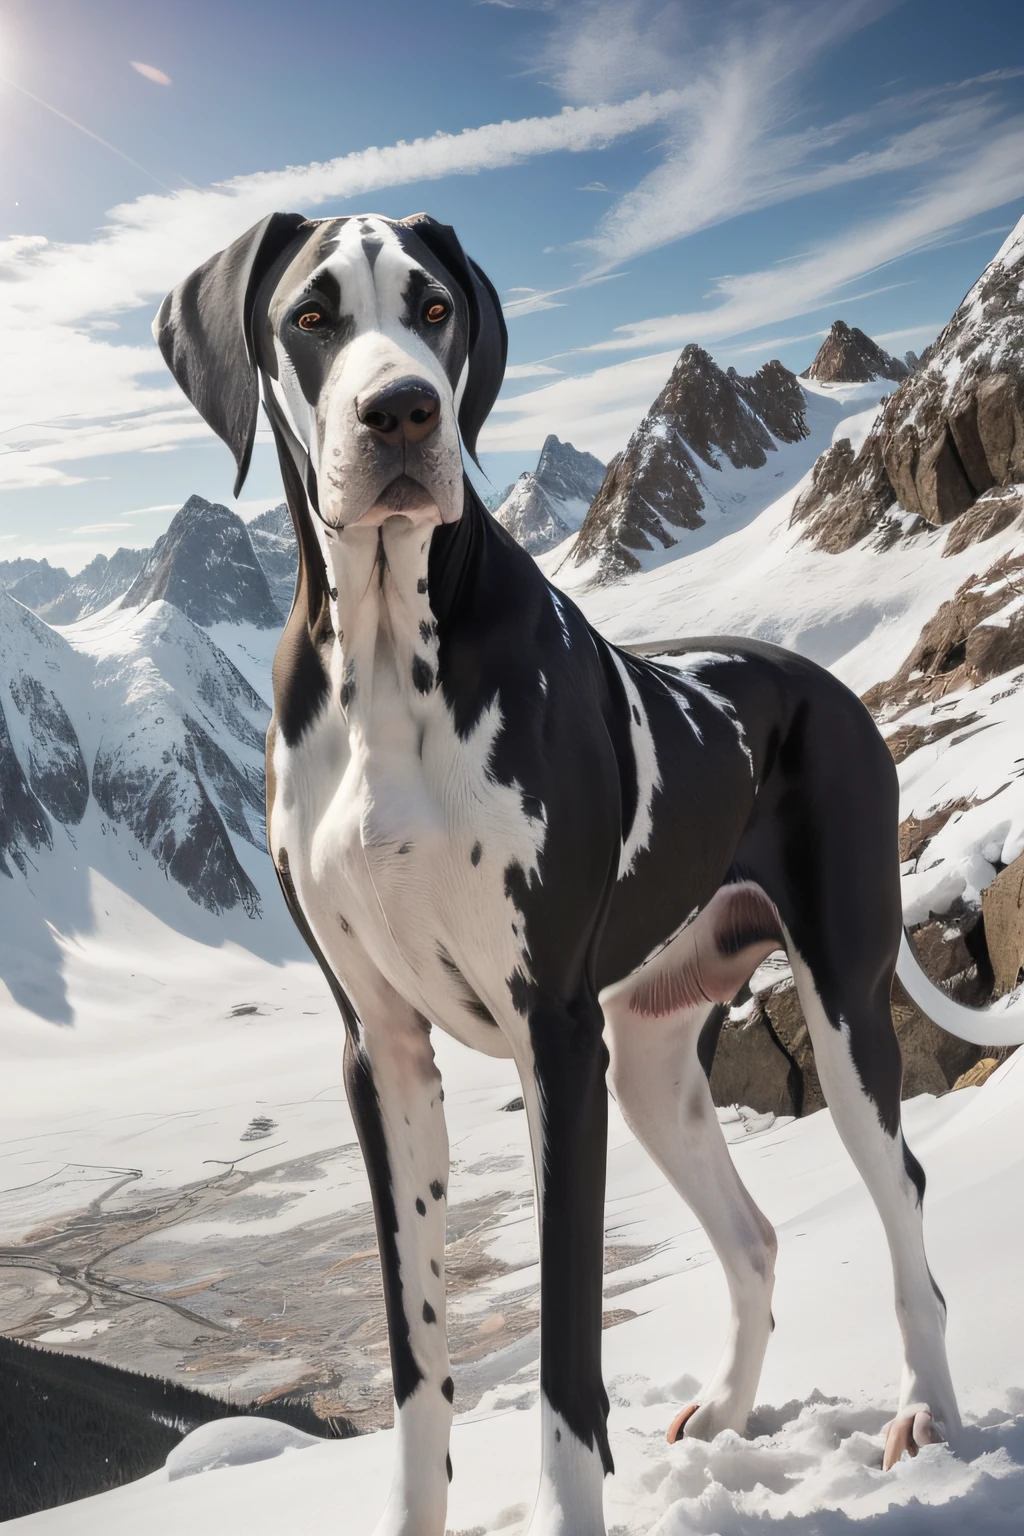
column 909, row 1430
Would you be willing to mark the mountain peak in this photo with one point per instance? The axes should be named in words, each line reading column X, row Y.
column 704, row 415
column 206, row 566
column 547, row 504
column 849, row 356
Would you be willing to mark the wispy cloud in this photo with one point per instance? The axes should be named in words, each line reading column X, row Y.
column 989, row 177
column 56, row 299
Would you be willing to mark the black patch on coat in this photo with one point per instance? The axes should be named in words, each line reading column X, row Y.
column 448, row 1466
column 436, row 1189
column 474, row 855
column 429, row 1315
column 420, row 1207
column 421, row 585
column 448, row 1389
column 435, row 1268
column 366, row 1112
column 422, row 675
column 426, row 632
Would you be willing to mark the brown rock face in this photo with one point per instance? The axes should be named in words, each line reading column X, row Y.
column 847, row 498
column 702, row 416
column 1002, row 906
column 978, row 634
column 849, row 356
column 750, row 1069
column 952, row 431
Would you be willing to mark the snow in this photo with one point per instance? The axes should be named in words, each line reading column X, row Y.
column 233, row 1443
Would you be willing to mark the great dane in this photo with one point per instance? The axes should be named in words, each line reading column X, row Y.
column 487, row 819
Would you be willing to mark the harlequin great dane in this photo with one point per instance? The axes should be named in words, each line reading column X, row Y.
column 486, row 818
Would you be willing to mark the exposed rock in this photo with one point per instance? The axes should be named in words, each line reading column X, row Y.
column 546, row 505
column 57, row 770
column 979, row 1074
column 847, row 497
column 954, row 428
column 23, row 823
column 750, row 1068
column 703, row 416
column 914, row 835
column 1002, row 905
column 205, row 565
column 849, row 356
column 273, row 539
column 912, row 361
column 990, row 514
column 978, row 634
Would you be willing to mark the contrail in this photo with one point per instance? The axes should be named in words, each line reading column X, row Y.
column 87, row 131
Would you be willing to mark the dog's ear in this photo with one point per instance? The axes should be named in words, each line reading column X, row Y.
column 488, row 338
column 204, row 330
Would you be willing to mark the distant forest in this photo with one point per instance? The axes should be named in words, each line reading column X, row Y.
column 71, row 1427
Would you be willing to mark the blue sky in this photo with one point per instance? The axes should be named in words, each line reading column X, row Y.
column 633, row 175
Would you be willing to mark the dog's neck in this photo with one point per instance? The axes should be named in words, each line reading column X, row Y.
column 380, row 611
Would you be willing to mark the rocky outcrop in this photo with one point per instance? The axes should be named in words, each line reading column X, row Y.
column 764, row 1058
column 273, row 539
column 952, row 431
column 654, row 489
column 849, row 356
column 206, row 566
column 546, row 505
column 977, row 635
column 1002, row 906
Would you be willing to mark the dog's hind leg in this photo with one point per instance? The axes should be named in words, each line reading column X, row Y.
column 653, row 1022
column 858, row 1060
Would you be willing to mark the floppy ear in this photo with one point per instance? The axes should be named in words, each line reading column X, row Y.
column 204, row 330
column 488, row 338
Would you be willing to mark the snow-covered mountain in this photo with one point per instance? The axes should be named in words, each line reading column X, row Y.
column 60, row 598
column 547, row 504
column 206, row 566
column 708, row 446
column 849, row 356
column 273, row 539
column 139, row 719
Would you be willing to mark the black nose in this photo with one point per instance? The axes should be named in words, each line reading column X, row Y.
column 408, row 409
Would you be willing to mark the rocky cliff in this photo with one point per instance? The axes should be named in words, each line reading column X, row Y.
column 273, row 539
column 952, row 432
column 704, row 417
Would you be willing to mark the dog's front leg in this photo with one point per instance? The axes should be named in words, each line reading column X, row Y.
column 563, row 1074
column 394, row 1092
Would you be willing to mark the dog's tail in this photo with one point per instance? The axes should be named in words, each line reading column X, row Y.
column 998, row 1025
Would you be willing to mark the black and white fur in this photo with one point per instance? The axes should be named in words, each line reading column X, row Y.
column 487, row 819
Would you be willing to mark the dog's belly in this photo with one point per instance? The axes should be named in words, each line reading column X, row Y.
column 398, row 857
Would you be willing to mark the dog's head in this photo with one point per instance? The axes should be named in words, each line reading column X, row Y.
column 378, row 342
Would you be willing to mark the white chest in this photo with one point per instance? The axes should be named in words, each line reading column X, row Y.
column 399, row 838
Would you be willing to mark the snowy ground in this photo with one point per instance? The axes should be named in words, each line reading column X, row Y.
column 184, row 1148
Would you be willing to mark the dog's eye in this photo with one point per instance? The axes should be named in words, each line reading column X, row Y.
column 436, row 312
column 309, row 320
